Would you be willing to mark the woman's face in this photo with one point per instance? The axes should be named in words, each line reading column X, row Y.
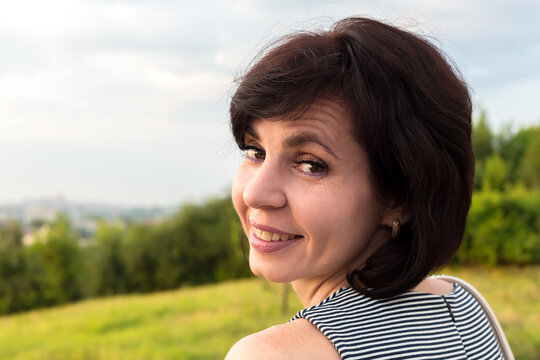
column 304, row 197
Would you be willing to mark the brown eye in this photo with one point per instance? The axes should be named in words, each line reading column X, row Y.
column 316, row 168
column 255, row 153
column 311, row 167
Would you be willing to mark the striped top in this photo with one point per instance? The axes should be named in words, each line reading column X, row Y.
column 412, row 325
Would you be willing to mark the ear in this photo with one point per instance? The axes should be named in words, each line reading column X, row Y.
column 394, row 212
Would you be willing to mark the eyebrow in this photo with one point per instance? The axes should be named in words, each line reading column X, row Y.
column 296, row 140
column 252, row 133
column 304, row 138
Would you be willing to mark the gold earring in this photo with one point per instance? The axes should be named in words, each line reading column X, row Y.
column 395, row 228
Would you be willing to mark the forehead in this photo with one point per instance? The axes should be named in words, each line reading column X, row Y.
column 324, row 118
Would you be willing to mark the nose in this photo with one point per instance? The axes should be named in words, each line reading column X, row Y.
column 265, row 187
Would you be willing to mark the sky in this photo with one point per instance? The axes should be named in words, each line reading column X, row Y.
column 126, row 102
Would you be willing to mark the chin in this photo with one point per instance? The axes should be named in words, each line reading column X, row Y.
column 271, row 273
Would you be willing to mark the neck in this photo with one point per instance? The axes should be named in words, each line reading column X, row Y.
column 313, row 291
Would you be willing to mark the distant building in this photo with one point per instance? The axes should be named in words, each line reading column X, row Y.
column 32, row 235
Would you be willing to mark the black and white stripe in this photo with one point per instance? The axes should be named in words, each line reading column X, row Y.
column 409, row 326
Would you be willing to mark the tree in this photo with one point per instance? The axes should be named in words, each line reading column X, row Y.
column 60, row 256
column 12, row 268
column 106, row 268
column 494, row 173
column 512, row 147
column 482, row 138
column 530, row 164
column 139, row 257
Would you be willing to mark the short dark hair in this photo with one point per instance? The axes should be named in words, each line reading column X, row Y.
column 411, row 113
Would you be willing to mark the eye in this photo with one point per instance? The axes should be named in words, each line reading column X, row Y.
column 311, row 167
column 254, row 153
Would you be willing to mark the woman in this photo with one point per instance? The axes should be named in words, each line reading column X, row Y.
column 355, row 186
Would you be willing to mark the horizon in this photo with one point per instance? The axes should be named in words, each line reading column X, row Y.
column 127, row 102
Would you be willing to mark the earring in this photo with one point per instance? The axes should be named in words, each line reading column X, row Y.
column 395, row 228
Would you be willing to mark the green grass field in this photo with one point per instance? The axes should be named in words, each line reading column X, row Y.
column 203, row 322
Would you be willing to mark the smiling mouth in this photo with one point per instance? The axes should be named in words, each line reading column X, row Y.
column 269, row 236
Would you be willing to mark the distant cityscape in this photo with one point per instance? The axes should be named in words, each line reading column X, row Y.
column 34, row 215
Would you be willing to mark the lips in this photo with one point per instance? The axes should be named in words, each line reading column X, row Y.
column 270, row 236
column 267, row 233
column 266, row 239
column 269, row 246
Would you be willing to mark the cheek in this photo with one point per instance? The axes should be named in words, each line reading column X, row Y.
column 350, row 220
column 237, row 195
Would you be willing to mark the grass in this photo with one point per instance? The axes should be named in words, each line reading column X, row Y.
column 514, row 296
column 203, row 322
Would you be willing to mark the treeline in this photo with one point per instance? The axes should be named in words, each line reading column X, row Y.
column 506, row 159
column 200, row 244
column 503, row 226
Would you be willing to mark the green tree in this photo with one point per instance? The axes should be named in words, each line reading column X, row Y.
column 530, row 164
column 21, row 272
column 502, row 228
column 512, row 147
column 210, row 247
column 482, row 138
column 494, row 173
column 138, row 255
column 12, row 268
column 105, row 268
column 60, row 256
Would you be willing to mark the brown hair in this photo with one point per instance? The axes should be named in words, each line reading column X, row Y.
column 411, row 113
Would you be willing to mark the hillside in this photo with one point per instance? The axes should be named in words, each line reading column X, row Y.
column 203, row 322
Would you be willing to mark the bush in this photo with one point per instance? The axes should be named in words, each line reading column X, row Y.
column 502, row 228
column 200, row 244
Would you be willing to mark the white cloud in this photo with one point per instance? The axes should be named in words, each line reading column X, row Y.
column 81, row 81
column 515, row 103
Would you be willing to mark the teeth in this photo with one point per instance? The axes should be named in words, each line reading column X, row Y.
column 268, row 236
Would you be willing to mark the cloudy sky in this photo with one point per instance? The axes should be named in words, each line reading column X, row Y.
column 125, row 102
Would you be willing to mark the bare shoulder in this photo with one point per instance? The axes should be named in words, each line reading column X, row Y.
column 295, row 340
column 435, row 286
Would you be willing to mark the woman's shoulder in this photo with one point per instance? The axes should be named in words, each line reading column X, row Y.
column 436, row 285
column 298, row 339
